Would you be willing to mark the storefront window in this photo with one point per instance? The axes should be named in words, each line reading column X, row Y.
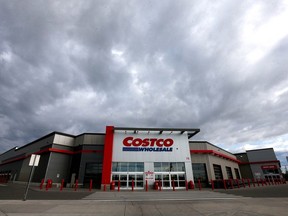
column 237, row 173
column 169, row 167
column 200, row 172
column 127, row 167
column 217, row 171
column 229, row 172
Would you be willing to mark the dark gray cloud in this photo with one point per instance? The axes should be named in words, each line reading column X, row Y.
column 76, row 66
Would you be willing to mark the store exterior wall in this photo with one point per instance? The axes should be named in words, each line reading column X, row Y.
column 138, row 157
column 263, row 163
column 91, row 160
column 220, row 164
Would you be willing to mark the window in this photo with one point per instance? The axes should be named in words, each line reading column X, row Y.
column 127, row 167
column 237, row 173
column 169, row 167
column 217, row 171
column 229, row 172
column 200, row 172
column 93, row 168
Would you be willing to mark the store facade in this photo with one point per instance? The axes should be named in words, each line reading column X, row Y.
column 137, row 157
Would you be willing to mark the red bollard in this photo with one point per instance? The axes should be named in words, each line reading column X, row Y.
column 186, row 185
column 253, row 181
column 48, row 184
column 231, row 182
column 132, row 184
column 269, row 183
column 243, row 182
column 248, row 180
column 41, row 184
column 76, row 185
column 62, row 184
column 224, row 183
column 146, row 185
column 212, row 184
column 199, row 184
column 191, row 184
column 159, row 185
column 173, row 184
column 90, row 185
column 237, row 181
column 118, row 185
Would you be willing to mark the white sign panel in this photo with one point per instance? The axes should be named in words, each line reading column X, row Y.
column 150, row 147
column 34, row 160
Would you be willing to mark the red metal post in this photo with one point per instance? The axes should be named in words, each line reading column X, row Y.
column 248, row 180
column 186, row 185
column 76, row 185
column 253, row 181
column 224, row 183
column 191, row 185
column 199, row 184
column 62, row 184
column 173, row 184
column 118, row 185
column 243, row 182
column 159, row 185
column 41, row 184
column 90, row 185
column 146, row 185
column 231, row 182
column 212, row 184
column 132, row 184
column 237, row 181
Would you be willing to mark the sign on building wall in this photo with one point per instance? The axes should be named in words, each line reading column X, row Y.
column 150, row 147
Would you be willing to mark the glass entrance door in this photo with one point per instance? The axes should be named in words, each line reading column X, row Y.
column 126, row 180
column 166, row 180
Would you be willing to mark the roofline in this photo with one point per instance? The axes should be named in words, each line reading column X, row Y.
column 46, row 136
column 193, row 131
column 194, row 141
column 90, row 134
column 254, row 150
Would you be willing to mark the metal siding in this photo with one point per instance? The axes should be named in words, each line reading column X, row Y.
column 59, row 164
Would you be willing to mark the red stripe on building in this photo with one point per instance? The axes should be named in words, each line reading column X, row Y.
column 107, row 157
column 56, row 150
column 215, row 153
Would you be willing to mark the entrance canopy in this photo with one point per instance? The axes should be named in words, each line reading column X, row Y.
column 190, row 131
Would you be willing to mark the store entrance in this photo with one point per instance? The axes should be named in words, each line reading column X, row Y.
column 126, row 179
column 167, row 179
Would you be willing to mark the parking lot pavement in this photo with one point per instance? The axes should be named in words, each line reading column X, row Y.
column 236, row 207
column 244, row 201
column 276, row 191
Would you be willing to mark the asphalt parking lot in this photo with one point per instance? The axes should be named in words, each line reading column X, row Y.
column 16, row 192
column 265, row 201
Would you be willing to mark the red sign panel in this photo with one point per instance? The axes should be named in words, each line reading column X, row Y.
column 269, row 167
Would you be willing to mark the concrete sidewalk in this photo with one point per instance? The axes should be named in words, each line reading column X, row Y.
column 212, row 207
column 204, row 202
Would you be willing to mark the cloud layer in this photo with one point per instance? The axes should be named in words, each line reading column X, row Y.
column 76, row 66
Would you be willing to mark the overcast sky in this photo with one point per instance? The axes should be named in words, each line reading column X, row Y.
column 76, row 66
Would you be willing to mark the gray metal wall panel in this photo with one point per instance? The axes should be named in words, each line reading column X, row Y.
column 59, row 164
column 89, row 158
column 261, row 155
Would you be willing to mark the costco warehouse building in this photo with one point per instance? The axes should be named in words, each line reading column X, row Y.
column 140, row 155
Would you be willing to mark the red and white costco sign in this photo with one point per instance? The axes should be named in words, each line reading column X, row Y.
column 131, row 143
column 150, row 147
